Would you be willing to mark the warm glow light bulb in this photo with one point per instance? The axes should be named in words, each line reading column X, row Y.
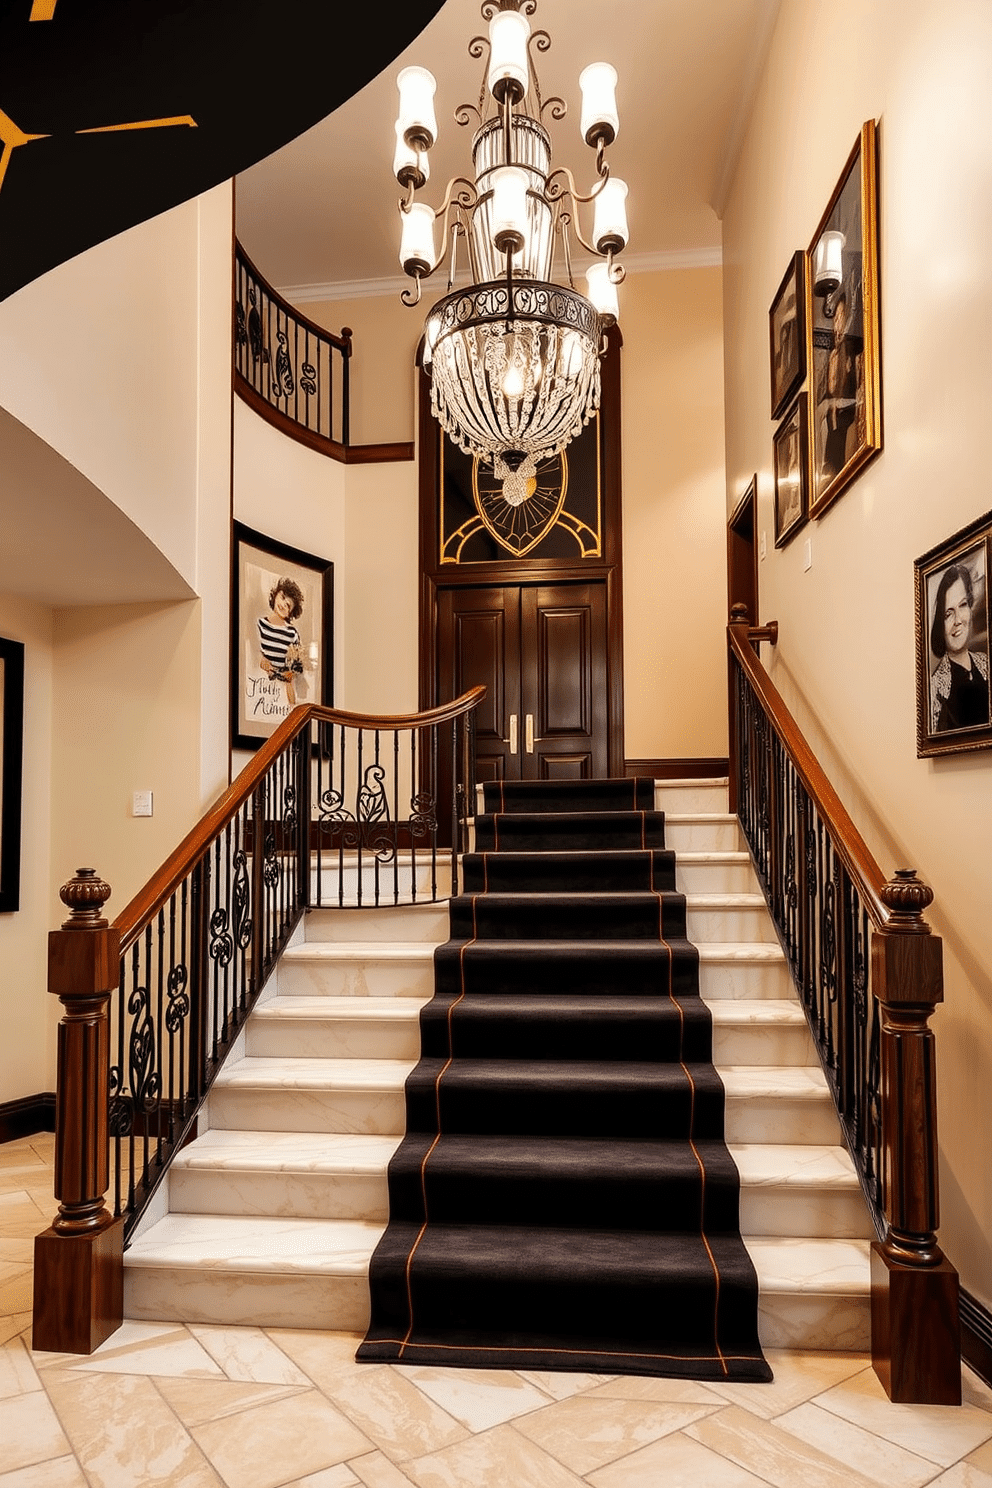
column 600, row 120
column 513, row 382
column 509, row 73
column 603, row 292
column 410, row 166
column 417, row 121
column 417, row 253
column 828, row 262
column 610, row 221
column 509, row 210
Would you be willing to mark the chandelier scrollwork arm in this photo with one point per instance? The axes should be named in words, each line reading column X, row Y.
column 555, row 106
column 411, row 297
column 493, row 7
column 464, row 112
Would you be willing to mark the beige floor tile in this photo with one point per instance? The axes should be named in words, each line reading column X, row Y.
column 561, row 1386
column 12, row 1326
column 19, row 1179
column 675, row 1462
column 151, row 1349
column 376, row 1471
column 880, row 1461
column 798, row 1377
column 654, row 1387
column 393, row 1413
column 17, row 1373
column 248, row 1354
column 760, row 1447
column 329, row 1354
column 982, row 1457
column 20, row 1216
column 195, row 1401
column 478, row 1398
column 64, row 1472
column 17, row 1250
column 587, row 1432
column 941, row 1432
column 17, row 1295
column 961, row 1475
column 124, row 1434
column 13, row 1270
column 330, row 1477
column 277, row 1443
column 20, row 1154
column 975, row 1391
column 30, row 1431
column 498, row 1457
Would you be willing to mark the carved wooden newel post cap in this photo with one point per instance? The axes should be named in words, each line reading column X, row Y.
column 738, row 614
column 85, row 895
column 907, row 897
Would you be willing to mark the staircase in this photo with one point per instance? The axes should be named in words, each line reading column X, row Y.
column 271, row 1215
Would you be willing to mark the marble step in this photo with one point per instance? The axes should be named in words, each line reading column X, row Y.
column 691, row 795
column 785, row 1189
column 257, row 1271
column 743, row 969
column 784, row 1104
column 374, row 968
column 763, row 1032
column 715, row 873
column 812, row 1293
column 703, row 831
column 311, row 1095
column 336, row 1028
column 409, row 923
column 333, row 882
column 313, row 1273
column 724, row 917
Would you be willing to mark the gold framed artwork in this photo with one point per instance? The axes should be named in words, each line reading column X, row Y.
column 791, row 444
column 842, row 313
column 787, row 335
column 952, row 643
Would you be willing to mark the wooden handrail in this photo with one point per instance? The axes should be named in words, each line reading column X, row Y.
column 146, row 903
column 851, row 847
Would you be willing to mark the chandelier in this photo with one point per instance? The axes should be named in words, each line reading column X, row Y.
column 514, row 357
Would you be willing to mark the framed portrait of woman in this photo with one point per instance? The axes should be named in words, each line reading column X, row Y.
column 842, row 313
column 787, row 335
column 791, row 472
column 952, row 643
column 282, row 628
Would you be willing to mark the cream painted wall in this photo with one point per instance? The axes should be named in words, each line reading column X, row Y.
column 673, row 513
column 674, row 526
column 29, row 1013
column 845, row 660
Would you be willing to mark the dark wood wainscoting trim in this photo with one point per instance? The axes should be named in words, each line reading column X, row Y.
column 976, row 1336
column 678, row 769
column 345, row 454
column 24, row 1117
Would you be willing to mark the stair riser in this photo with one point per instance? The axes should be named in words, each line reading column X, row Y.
column 381, row 1113
column 765, row 1044
column 705, row 926
column 801, row 1213
column 362, row 1196
column 699, row 836
column 690, row 798
column 742, row 979
column 715, row 878
column 334, row 1038
column 425, row 922
column 202, row 1295
column 357, row 976
column 333, row 885
column 790, row 1320
column 781, row 1119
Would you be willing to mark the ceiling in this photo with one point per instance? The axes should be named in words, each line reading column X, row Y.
column 321, row 212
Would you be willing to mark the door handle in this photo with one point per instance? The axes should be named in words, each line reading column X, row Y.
column 529, row 733
column 513, row 733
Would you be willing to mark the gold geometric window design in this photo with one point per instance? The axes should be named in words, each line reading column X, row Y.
column 557, row 513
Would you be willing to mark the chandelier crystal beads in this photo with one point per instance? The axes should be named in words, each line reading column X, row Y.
column 514, row 357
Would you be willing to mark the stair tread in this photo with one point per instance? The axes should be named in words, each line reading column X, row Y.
column 314, row 1073
column 728, row 899
column 796, row 1264
column 310, row 1009
column 779, row 1011
column 741, row 950
column 692, row 782
column 279, row 1151
column 258, row 1243
column 774, row 1164
column 746, row 1081
column 338, row 950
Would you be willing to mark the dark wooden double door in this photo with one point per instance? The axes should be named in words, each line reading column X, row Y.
column 541, row 652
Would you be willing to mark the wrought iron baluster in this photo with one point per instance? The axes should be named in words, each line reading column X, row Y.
column 414, row 734
column 433, row 794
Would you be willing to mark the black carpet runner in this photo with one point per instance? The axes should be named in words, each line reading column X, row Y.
column 564, row 1198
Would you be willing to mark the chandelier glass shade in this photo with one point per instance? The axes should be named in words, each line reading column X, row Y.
column 514, row 357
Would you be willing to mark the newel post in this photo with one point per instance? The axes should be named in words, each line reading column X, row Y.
column 739, row 621
column 78, row 1261
column 916, row 1340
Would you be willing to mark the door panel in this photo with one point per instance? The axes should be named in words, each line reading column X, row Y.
column 478, row 636
column 564, row 680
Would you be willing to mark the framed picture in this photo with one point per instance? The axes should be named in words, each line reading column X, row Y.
column 952, row 643
column 787, row 335
column 844, row 334
column 282, row 627
column 792, row 472
column 11, row 760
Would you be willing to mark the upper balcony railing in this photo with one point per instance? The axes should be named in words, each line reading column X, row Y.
column 295, row 373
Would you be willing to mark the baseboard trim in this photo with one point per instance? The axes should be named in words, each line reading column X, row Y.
column 678, row 769
column 976, row 1335
column 24, row 1117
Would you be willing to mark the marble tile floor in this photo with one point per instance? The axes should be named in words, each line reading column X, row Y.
column 206, row 1406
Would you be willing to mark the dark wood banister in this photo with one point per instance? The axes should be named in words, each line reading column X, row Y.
column 851, row 847
column 146, row 903
column 915, row 1328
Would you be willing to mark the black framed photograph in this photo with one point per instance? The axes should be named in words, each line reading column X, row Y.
column 282, row 634
column 952, row 643
column 787, row 335
column 11, row 763
column 844, row 329
column 791, row 446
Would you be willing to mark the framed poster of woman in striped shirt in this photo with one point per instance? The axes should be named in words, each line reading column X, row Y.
column 282, row 628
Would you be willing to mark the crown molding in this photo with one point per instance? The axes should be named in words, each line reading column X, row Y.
column 361, row 289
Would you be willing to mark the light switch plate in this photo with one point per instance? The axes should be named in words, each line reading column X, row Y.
column 141, row 803
column 808, row 554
